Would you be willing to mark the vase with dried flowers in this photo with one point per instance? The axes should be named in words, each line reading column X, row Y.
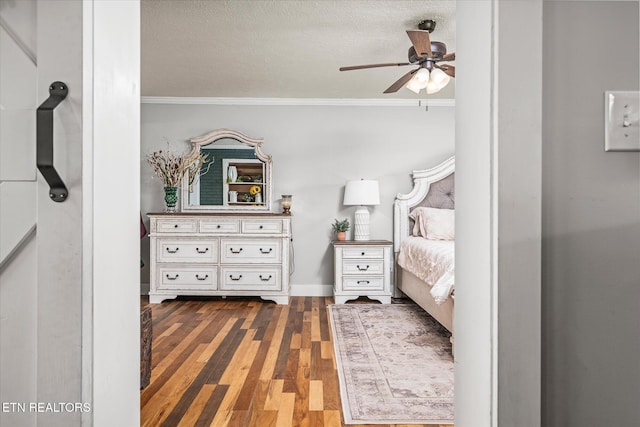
column 172, row 168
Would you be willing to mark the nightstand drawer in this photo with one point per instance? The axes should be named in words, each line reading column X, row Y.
column 250, row 251
column 177, row 277
column 363, row 267
column 363, row 283
column 219, row 226
column 187, row 251
column 166, row 225
column 363, row 252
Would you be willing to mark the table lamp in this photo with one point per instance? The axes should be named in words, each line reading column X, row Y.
column 361, row 193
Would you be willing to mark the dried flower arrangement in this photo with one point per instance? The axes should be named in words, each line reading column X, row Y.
column 171, row 168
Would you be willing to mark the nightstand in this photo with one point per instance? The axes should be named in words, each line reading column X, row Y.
column 362, row 268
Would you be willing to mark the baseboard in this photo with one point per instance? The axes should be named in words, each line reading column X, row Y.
column 311, row 290
column 144, row 288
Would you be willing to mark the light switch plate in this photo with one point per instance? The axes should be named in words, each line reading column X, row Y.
column 621, row 127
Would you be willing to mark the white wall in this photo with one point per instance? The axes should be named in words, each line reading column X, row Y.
column 591, row 220
column 315, row 150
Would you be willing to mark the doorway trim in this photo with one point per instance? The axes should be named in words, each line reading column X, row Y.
column 489, row 174
column 498, row 200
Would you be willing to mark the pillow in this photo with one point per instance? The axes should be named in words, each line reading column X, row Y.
column 434, row 224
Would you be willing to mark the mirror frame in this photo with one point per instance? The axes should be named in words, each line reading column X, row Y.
column 198, row 142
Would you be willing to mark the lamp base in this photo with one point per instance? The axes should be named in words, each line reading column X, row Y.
column 361, row 224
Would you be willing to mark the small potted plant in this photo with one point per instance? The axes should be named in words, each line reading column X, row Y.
column 341, row 228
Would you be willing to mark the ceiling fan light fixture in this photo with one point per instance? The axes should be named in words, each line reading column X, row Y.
column 419, row 80
column 432, row 88
column 438, row 80
column 439, row 77
column 414, row 86
column 425, row 54
column 422, row 75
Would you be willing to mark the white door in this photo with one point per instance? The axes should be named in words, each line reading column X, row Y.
column 40, row 240
column 69, row 301
column 18, row 186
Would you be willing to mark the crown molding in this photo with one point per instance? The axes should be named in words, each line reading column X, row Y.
column 332, row 102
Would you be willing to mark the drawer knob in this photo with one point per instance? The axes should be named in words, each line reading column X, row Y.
column 261, row 227
column 235, row 278
column 175, row 225
column 362, row 268
column 235, row 252
column 218, row 226
column 173, row 278
column 362, row 254
column 265, row 279
column 262, row 251
column 366, row 282
column 202, row 252
column 202, row 278
column 173, row 251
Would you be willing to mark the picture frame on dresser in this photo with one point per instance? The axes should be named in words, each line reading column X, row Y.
column 218, row 247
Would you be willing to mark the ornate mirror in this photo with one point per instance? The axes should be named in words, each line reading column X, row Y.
column 238, row 177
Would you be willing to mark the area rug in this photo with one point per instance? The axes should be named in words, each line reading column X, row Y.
column 394, row 364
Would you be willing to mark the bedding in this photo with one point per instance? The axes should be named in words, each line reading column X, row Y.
column 433, row 223
column 432, row 261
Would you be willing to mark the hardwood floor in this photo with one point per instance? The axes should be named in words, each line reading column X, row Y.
column 242, row 362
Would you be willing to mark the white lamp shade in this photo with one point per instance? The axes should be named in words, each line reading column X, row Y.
column 362, row 192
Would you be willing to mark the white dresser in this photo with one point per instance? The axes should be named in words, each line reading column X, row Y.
column 220, row 254
column 362, row 268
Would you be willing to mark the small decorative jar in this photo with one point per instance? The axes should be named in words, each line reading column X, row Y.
column 286, row 203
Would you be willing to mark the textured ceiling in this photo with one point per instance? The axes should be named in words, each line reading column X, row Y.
column 282, row 48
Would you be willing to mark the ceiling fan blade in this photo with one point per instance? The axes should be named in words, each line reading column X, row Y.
column 360, row 67
column 401, row 82
column 449, row 57
column 421, row 42
column 448, row 69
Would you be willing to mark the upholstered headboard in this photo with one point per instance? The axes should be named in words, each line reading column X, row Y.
column 441, row 194
column 431, row 188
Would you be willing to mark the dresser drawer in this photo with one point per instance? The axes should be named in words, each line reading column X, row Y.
column 247, row 278
column 245, row 251
column 221, row 226
column 363, row 267
column 363, row 252
column 187, row 250
column 363, row 283
column 167, row 225
column 177, row 277
column 261, row 226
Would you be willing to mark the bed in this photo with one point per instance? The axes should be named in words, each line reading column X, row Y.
column 424, row 242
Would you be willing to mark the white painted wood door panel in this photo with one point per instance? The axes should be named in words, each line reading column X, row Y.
column 18, row 98
column 18, row 210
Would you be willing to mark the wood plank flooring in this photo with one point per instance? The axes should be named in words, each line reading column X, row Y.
column 242, row 362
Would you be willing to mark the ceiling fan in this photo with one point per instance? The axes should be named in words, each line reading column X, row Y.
column 430, row 75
